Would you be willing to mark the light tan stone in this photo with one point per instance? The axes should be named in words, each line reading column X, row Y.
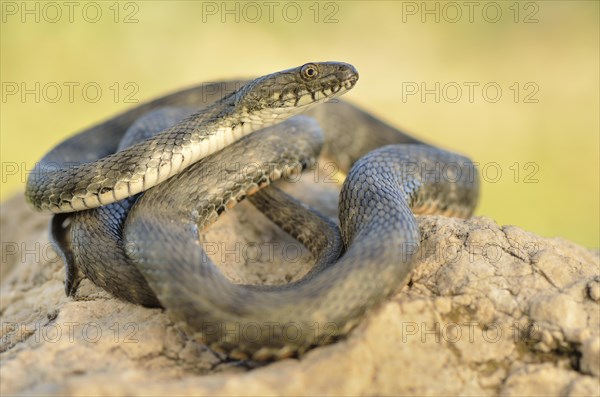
column 488, row 310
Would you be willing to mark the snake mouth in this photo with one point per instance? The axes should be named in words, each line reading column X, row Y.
column 350, row 82
column 340, row 81
column 300, row 88
column 328, row 92
column 332, row 86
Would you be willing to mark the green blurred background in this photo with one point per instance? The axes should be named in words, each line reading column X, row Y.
column 545, row 140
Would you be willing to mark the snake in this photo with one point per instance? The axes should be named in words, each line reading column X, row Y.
column 132, row 195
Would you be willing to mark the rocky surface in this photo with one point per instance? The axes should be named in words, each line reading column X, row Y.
column 489, row 310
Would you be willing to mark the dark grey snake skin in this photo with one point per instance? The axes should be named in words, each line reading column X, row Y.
column 144, row 247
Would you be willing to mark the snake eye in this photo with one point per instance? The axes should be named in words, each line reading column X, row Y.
column 309, row 71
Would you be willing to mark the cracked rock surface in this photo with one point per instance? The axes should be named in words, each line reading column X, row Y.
column 488, row 310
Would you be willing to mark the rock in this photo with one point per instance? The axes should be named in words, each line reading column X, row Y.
column 488, row 310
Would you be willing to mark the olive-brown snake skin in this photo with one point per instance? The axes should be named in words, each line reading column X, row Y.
column 144, row 247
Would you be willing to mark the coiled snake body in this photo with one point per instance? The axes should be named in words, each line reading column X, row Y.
column 144, row 247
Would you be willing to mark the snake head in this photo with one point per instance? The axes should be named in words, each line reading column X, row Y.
column 294, row 90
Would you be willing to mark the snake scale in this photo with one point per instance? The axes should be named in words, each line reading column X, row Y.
column 131, row 196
